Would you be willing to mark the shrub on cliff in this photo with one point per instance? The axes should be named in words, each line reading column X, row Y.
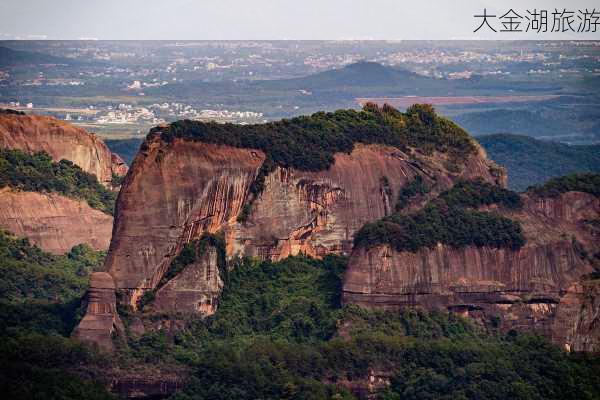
column 38, row 173
column 451, row 219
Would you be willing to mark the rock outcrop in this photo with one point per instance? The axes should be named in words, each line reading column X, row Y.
column 178, row 190
column 32, row 133
column 534, row 288
column 54, row 222
column 101, row 321
column 194, row 290
column 577, row 322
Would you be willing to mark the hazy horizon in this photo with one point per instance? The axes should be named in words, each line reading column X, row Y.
column 264, row 19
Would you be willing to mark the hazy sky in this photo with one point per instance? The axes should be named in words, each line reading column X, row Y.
column 266, row 19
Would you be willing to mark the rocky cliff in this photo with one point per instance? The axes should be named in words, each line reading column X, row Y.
column 101, row 321
column 177, row 190
column 61, row 140
column 191, row 179
column 53, row 222
column 533, row 288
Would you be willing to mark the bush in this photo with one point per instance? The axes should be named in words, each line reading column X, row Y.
column 449, row 219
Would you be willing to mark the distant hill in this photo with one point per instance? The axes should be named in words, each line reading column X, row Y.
column 11, row 58
column 531, row 161
column 361, row 74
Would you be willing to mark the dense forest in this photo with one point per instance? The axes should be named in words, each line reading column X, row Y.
column 40, row 304
column 451, row 219
column 38, row 173
column 310, row 142
column 280, row 332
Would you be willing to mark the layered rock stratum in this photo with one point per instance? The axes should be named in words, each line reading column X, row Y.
column 33, row 133
column 101, row 321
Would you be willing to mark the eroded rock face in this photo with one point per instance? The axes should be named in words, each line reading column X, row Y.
column 577, row 322
column 172, row 195
column 101, row 320
column 32, row 133
column 53, row 222
column 177, row 191
column 195, row 290
column 523, row 289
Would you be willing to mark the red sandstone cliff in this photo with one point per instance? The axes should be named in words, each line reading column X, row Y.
column 525, row 289
column 53, row 222
column 176, row 191
column 61, row 140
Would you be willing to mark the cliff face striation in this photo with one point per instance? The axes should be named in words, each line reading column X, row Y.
column 535, row 288
column 53, row 222
column 33, row 133
column 179, row 188
column 270, row 192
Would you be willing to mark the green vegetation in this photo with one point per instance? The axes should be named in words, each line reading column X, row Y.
column 449, row 219
column 40, row 304
column 11, row 112
column 532, row 162
column 49, row 367
column 275, row 336
column 414, row 188
column 281, row 333
column 476, row 193
column 38, row 173
column 585, row 182
column 310, row 142
column 28, row 273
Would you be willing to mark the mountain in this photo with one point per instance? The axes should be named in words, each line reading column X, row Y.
column 516, row 264
column 358, row 75
column 310, row 258
column 531, row 162
column 34, row 133
column 14, row 58
column 283, row 189
column 56, row 183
